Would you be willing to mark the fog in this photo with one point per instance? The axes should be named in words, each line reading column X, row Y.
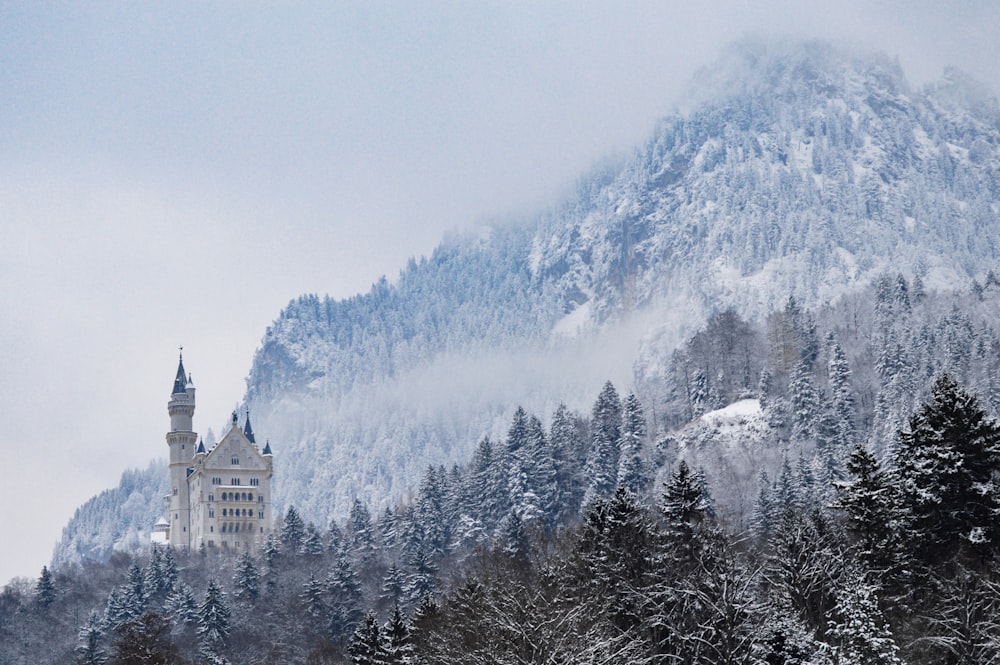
column 176, row 173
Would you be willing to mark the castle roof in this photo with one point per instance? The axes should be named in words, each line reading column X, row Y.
column 247, row 429
column 201, row 448
column 181, row 380
column 267, row 449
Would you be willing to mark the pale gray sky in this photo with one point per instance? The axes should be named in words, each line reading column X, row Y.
column 175, row 173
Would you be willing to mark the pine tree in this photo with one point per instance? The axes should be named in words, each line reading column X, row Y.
column 45, row 588
column 685, row 506
column 145, row 640
column 312, row 542
column 842, row 396
column 947, row 462
column 859, row 629
column 293, row 531
column 89, row 650
column 421, row 580
column 805, row 403
column 566, row 445
column 135, row 597
column 314, row 600
column 602, row 466
column 873, row 513
column 181, row 606
column 344, row 592
column 246, row 580
column 213, row 618
column 387, row 529
column 762, row 521
column 393, row 584
column 362, row 535
column 396, row 638
column 366, row 644
column 632, row 471
column 541, row 467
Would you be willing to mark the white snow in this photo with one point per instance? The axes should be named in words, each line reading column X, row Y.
column 573, row 323
column 737, row 411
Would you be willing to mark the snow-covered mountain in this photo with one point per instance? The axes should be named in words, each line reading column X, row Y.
column 794, row 169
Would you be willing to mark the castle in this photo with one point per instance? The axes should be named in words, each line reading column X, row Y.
column 219, row 497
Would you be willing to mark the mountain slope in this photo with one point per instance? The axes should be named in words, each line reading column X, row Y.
column 795, row 169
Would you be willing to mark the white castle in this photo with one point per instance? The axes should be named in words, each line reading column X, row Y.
column 219, row 497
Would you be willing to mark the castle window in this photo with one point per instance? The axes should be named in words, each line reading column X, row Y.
column 211, row 497
column 224, row 513
column 255, row 481
column 212, row 530
column 260, row 514
column 175, row 491
column 250, row 497
column 211, row 513
column 243, row 496
column 262, row 529
column 236, row 460
column 260, row 498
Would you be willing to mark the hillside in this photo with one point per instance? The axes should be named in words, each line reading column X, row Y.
column 794, row 169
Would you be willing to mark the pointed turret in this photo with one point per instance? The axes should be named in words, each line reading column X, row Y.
column 181, row 380
column 247, row 429
column 267, row 449
column 201, row 448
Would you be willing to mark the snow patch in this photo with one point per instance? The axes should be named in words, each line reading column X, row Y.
column 742, row 410
column 573, row 323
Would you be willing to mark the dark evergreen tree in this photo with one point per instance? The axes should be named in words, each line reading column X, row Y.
column 361, row 533
column 873, row 512
column 181, row 606
column 344, row 592
column 246, row 580
column 90, row 650
column 45, row 588
column 293, row 531
column 144, row 641
column 366, row 643
column 393, row 584
column 214, row 618
column 421, row 579
column 396, row 639
column 947, row 464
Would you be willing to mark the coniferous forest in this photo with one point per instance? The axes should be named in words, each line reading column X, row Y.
column 821, row 486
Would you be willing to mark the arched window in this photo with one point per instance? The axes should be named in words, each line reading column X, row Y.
column 224, row 512
column 243, row 496
column 250, row 497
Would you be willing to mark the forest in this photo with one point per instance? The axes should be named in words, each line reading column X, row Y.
column 846, row 514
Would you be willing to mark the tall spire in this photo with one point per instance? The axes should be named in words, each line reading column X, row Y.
column 247, row 429
column 181, row 380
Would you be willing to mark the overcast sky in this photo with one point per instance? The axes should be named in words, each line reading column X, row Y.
column 175, row 173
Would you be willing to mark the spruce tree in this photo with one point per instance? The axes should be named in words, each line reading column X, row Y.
column 398, row 646
column 605, row 427
column 632, row 471
column 90, row 650
column 947, row 464
column 246, row 580
column 873, row 513
column 45, row 588
column 366, row 643
column 293, row 531
column 214, row 618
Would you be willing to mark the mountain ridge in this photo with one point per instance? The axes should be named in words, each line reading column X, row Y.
column 797, row 169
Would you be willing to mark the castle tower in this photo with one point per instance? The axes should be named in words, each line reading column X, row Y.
column 182, row 441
